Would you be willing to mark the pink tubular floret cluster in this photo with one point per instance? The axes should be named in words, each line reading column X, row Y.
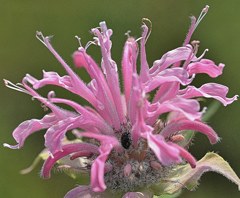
column 109, row 109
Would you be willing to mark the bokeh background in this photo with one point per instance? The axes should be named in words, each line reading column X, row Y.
column 21, row 53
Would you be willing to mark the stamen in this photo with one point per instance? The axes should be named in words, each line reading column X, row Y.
column 195, row 45
column 202, row 55
column 128, row 33
column 79, row 41
column 41, row 38
column 138, row 39
column 201, row 16
column 16, row 87
column 89, row 43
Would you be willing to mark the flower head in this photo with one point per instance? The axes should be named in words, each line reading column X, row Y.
column 125, row 141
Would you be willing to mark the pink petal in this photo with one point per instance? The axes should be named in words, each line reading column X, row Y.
column 137, row 108
column 166, row 153
column 185, row 154
column 110, row 67
column 171, row 57
column 129, row 65
column 205, row 66
column 101, row 89
column 209, row 90
column 166, row 91
column 168, row 75
column 52, row 78
column 189, row 108
column 138, row 195
column 30, row 126
column 137, row 99
column 80, row 191
column 144, row 71
column 190, row 31
column 95, row 119
column 98, row 166
column 77, row 85
column 66, row 150
column 85, row 192
column 190, row 125
column 56, row 133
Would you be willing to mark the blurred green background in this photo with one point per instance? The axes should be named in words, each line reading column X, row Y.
column 21, row 53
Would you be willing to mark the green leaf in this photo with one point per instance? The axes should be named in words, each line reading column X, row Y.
column 186, row 177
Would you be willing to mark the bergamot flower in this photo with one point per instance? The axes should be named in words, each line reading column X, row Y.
column 132, row 143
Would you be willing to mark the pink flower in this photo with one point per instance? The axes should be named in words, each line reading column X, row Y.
column 126, row 140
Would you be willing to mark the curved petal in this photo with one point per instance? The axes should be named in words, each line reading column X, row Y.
column 101, row 89
column 30, row 126
column 138, row 195
column 185, row 154
column 97, row 170
column 86, row 192
column 177, row 74
column 98, row 166
column 205, row 66
column 209, row 90
column 190, row 125
column 56, row 133
column 52, row 78
column 66, row 150
column 189, row 108
column 166, row 91
column 171, row 57
column 129, row 65
column 166, row 153
column 110, row 67
column 144, row 71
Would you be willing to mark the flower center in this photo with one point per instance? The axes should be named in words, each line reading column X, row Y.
column 135, row 167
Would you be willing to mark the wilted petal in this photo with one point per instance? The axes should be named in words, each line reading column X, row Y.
column 209, row 90
column 205, row 66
